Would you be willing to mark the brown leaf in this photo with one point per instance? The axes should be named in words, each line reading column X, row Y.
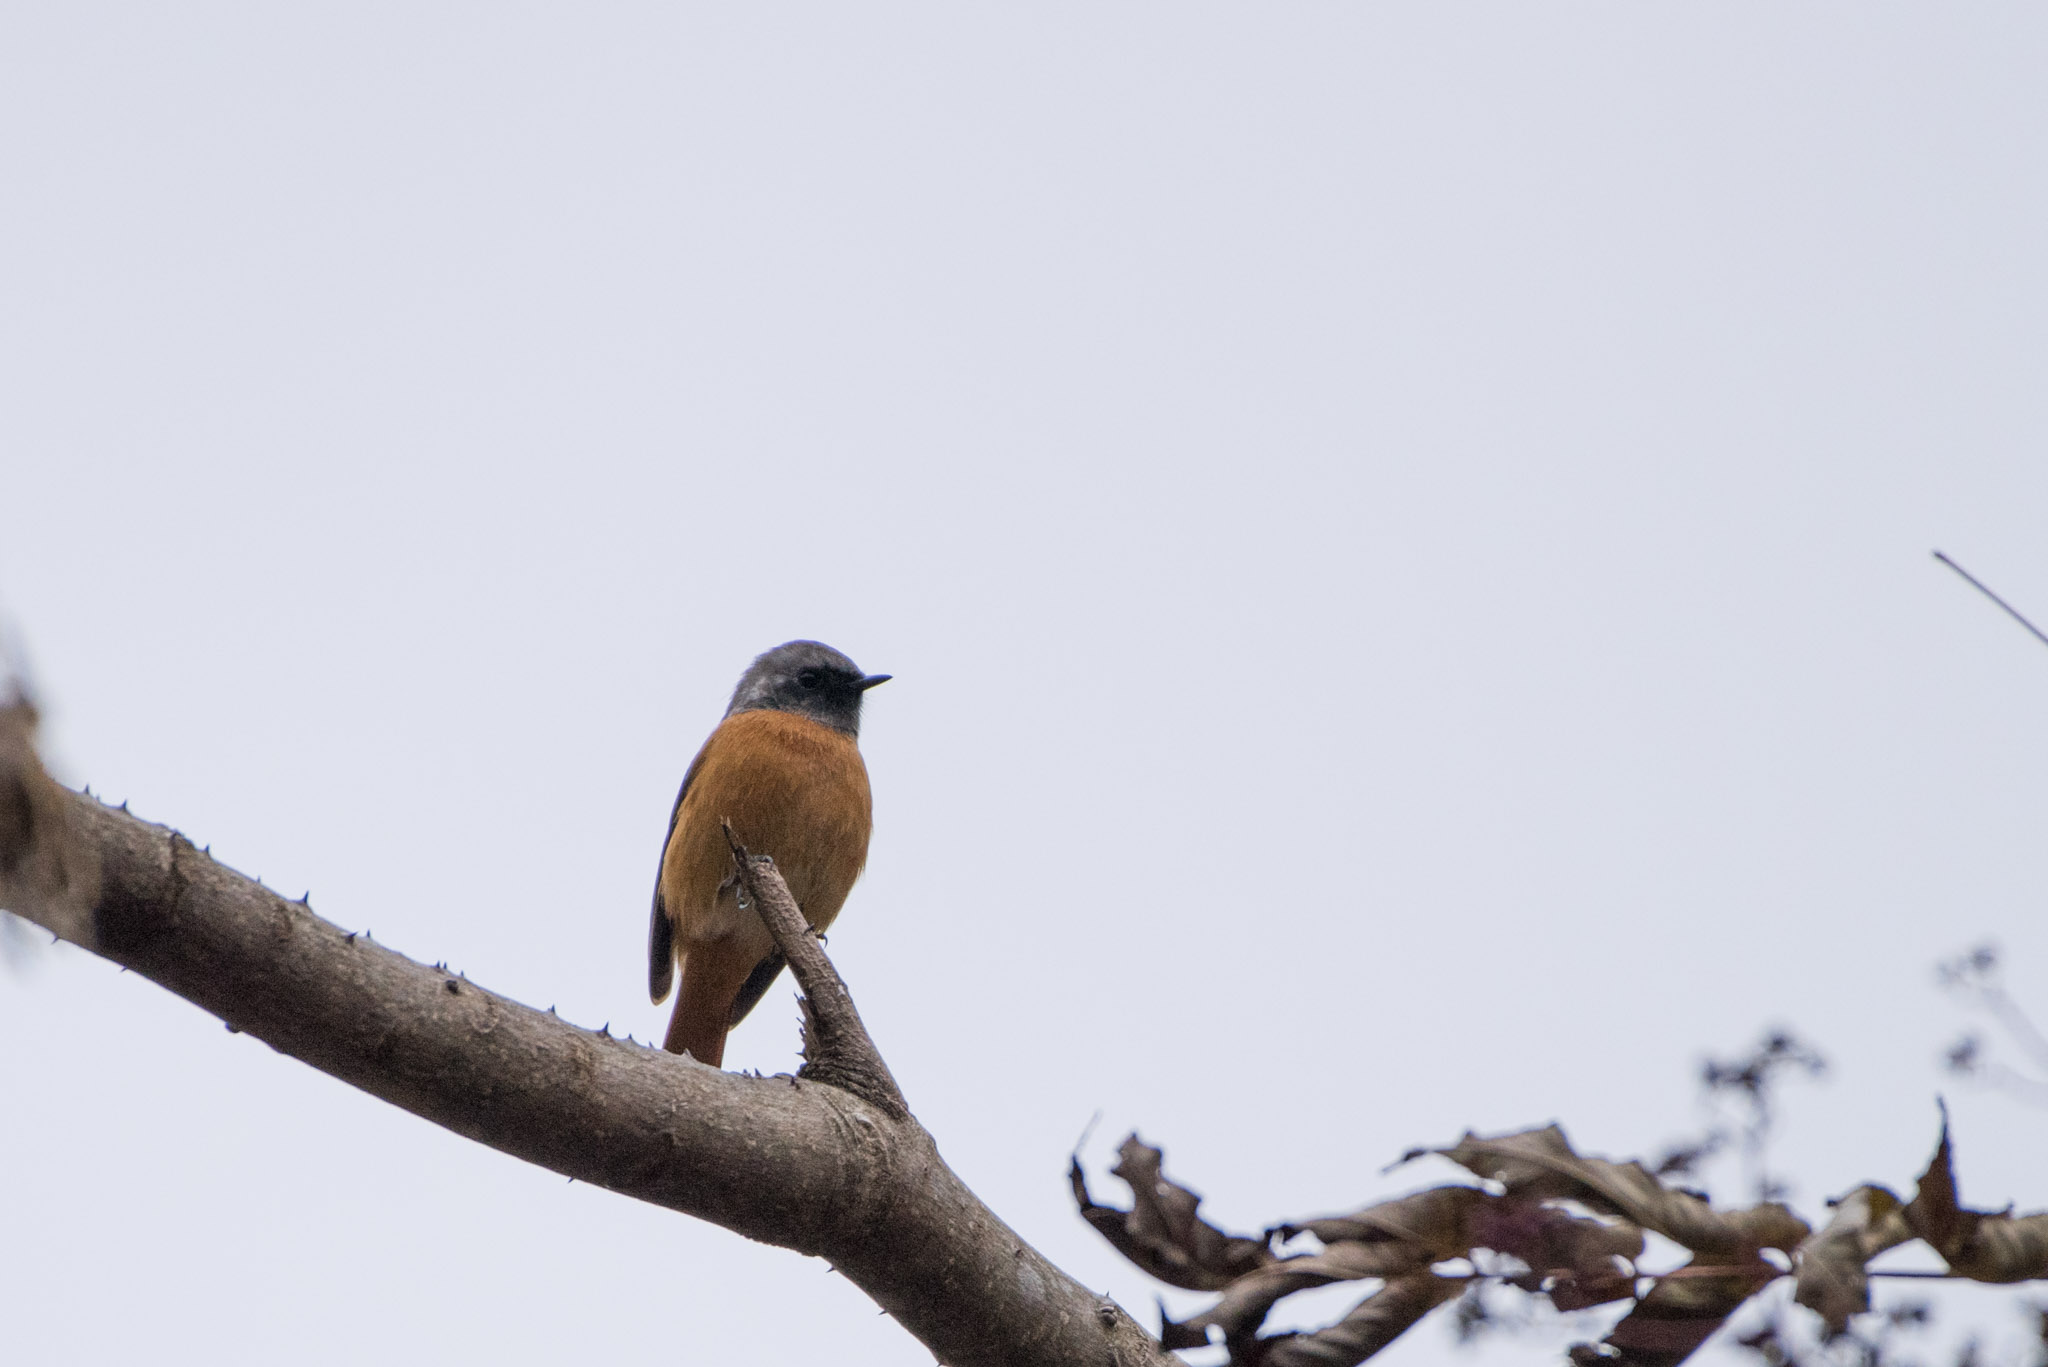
column 2006, row 1248
column 1935, row 1213
column 1406, row 1235
column 1681, row 1312
column 1245, row 1304
column 1437, row 1220
column 1449, row 1222
column 1552, row 1241
column 1832, row 1277
column 1985, row 1246
column 1162, row 1233
column 1540, row 1164
column 1573, row 1291
column 1371, row 1325
column 1247, row 1300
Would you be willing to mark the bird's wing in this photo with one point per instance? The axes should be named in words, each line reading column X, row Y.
column 756, row 986
column 661, row 928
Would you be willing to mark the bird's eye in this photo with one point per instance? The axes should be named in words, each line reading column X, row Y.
column 810, row 678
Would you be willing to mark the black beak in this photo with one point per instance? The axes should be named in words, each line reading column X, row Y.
column 870, row 681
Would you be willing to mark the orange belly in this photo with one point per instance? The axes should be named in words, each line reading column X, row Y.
column 793, row 789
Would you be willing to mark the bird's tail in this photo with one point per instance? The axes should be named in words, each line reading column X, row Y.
column 712, row 977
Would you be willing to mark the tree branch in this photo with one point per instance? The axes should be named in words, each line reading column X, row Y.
column 837, row 1048
column 841, row 1172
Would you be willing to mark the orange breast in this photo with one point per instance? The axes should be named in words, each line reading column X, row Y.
column 793, row 789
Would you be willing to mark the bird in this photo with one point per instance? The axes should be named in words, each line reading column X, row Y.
column 784, row 767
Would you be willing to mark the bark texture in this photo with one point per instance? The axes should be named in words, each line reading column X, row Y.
column 830, row 1163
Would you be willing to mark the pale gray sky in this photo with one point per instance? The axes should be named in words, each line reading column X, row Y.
column 1487, row 454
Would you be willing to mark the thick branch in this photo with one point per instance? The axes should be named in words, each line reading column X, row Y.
column 837, row 1048
column 788, row 1161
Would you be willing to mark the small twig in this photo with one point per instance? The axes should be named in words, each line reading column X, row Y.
column 2017, row 1023
column 1977, row 974
column 838, row 1050
column 2012, row 1082
column 1985, row 589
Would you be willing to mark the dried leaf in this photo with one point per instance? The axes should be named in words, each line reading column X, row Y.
column 1575, row 1291
column 1406, row 1235
column 2006, row 1248
column 1437, row 1220
column 1553, row 1242
column 1371, row 1325
column 1541, row 1164
column 1162, row 1233
column 1576, row 1260
column 1832, row 1277
column 1681, row 1312
column 1247, row 1300
column 1245, row 1304
column 1935, row 1213
column 1449, row 1222
column 1985, row 1246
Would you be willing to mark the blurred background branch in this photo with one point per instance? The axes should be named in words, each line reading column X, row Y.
column 1977, row 979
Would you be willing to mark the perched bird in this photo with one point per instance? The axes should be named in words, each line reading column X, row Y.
column 784, row 767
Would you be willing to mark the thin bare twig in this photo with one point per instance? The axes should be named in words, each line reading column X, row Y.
column 1977, row 975
column 1985, row 589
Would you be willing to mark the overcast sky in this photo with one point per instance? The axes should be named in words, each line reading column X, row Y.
column 1402, row 532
